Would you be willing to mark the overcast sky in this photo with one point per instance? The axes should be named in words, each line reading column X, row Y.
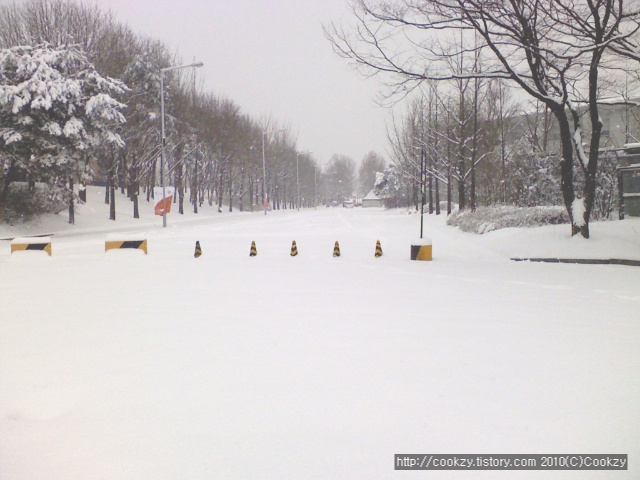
column 271, row 58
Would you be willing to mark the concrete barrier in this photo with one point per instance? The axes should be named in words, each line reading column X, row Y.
column 140, row 244
column 422, row 250
column 31, row 243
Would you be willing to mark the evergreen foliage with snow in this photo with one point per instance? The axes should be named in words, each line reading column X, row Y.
column 55, row 108
column 389, row 184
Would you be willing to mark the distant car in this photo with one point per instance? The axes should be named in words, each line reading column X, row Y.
column 347, row 204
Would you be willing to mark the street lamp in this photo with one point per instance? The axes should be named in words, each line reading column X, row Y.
column 422, row 185
column 162, row 154
column 264, row 168
column 298, row 173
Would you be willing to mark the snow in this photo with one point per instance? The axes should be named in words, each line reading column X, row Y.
column 577, row 140
column 162, row 366
column 104, row 106
column 578, row 210
column 23, row 240
column 11, row 136
column 73, row 128
column 422, row 241
column 53, row 128
column 371, row 195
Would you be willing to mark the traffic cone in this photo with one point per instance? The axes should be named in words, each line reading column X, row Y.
column 253, row 251
column 378, row 249
column 198, row 251
column 336, row 249
column 294, row 249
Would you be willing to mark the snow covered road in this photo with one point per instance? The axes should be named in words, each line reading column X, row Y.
column 161, row 366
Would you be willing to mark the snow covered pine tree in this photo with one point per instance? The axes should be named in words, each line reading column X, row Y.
column 55, row 109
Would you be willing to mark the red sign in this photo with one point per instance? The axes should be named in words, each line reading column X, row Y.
column 163, row 205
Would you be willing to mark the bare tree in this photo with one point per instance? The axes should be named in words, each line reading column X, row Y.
column 340, row 173
column 552, row 50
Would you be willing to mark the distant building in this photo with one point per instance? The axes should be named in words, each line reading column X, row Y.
column 629, row 181
column 372, row 200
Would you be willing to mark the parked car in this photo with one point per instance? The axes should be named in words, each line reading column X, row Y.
column 348, row 204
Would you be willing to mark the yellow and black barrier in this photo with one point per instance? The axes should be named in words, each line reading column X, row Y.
column 378, row 249
column 118, row 244
column 37, row 243
column 422, row 252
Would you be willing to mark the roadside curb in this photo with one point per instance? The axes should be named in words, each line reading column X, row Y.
column 583, row 261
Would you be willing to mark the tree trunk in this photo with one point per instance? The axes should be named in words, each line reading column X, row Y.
column 83, row 193
column 430, row 187
column 449, row 191
column 474, row 148
column 180, row 185
column 195, row 187
column 589, row 191
column 220, row 193
column 461, row 195
column 566, row 166
column 72, row 214
column 135, row 193
column 437, row 197
column 436, row 166
column 112, row 204
column 122, row 174
column 136, row 211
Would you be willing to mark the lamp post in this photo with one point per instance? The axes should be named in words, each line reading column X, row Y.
column 162, row 154
column 264, row 167
column 298, row 174
column 422, row 186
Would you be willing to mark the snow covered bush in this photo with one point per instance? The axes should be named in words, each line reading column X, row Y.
column 605, row 203
column 25, row 202
column 487, row 219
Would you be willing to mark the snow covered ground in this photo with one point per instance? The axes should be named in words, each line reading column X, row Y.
column 122, row 365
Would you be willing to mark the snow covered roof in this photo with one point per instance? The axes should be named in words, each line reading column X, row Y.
column 371, row 196
column 618, row 99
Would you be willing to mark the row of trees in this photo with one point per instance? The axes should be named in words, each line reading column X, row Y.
column 80, row 99
column 498, row 152
column 461, row 55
